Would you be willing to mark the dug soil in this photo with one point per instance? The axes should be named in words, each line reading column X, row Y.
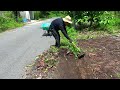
column 101, row 61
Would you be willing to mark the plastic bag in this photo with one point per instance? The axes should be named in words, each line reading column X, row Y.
column 24, row 20
column 45, row 26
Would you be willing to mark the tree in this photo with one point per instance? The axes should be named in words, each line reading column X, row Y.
column 16, row 15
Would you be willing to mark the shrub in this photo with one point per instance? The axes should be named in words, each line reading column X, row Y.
column 8, row 22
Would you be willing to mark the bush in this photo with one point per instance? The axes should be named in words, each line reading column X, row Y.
column 41, row 14
column 109, row 22
column 8, row 22
column 73, row 34
column 56, row 14
column 37, row 15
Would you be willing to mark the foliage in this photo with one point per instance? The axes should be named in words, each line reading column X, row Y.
column 49, row 14
column 53, row 49
column 73, row 34
column 105, row 20
column 57, row 14
column 37, row 15
column 41, row 14
column 50, row 62
column 109, row 22
column 8, row 22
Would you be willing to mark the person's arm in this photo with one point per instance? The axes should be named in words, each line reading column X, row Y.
column 63, row 30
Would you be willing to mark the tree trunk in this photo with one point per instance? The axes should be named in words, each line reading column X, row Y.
column 16, row 14
column 91, row 21
column 74, row 19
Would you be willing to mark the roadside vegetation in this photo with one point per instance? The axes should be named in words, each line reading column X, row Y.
column 90, row 32
column 8, row 21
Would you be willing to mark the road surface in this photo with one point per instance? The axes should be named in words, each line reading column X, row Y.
column 19, row 47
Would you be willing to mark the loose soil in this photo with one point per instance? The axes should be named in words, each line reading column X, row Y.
column 101, row 61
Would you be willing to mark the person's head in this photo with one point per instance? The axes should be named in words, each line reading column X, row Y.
column 67, row 20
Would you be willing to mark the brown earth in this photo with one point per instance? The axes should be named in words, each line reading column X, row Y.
column 101, row 61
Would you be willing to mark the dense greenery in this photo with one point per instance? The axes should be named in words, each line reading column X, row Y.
column 49, row 14
column 8, row 21
column 66, row 44
column 102, row 20
column 94, row 20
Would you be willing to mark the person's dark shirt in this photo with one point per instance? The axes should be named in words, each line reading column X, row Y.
column 58, row 24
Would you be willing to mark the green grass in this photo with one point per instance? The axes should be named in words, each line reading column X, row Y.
column 9, row 26
column 50, row 62
column 53, row 49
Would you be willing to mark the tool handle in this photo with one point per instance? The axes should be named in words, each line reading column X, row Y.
column 76, row 46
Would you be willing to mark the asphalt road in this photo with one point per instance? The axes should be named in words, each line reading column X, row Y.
column 19, row 47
